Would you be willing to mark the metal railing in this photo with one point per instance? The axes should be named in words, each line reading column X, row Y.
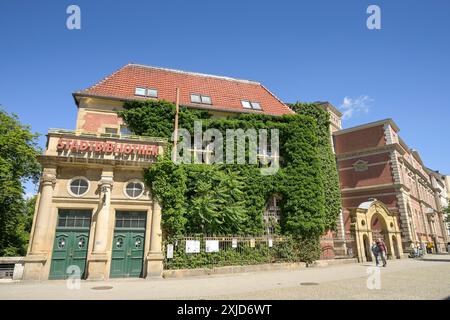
column 215, row 251
column 107, row 135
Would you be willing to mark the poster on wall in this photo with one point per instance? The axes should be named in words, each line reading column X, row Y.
column 169, row 254
column 270, row 243
column 192, row 246
column 212, row 245
column 234, row 243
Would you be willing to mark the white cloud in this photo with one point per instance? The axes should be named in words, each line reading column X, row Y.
column 350, row 106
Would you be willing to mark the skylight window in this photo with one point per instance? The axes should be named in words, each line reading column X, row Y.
column 140, row 92
column 251, row 105
column 146, row 92
column 198, row 98
column 206, row 99
column 246, row 104
column 152, row 93
column 256, row 105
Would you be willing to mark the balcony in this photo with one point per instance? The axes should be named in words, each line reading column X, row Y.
column 87, row 135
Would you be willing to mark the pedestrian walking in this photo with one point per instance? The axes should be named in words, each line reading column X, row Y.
column 413, row 250
column 423, row 248
column 429, row 247
column 418, row 251
column 375, row 252
column 382, row 251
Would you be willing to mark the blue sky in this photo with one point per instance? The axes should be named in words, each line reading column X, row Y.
column 300, row 50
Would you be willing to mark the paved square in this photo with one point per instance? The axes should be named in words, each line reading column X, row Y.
column 402, row 279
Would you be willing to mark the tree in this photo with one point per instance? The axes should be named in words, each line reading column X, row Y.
column 18, row 163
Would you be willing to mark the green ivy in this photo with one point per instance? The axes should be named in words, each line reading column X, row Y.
column 327, row 160
column 230, row 199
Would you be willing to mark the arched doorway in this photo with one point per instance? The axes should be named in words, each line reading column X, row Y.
column 370, row 221
column 379, row 230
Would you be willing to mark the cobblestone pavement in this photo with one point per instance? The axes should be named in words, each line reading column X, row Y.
column 402, row 279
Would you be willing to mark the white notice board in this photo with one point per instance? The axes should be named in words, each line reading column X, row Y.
column 212, row 245
column 192, row 246
column 170, row 251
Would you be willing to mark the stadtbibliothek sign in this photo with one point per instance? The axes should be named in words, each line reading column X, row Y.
column 106, row 147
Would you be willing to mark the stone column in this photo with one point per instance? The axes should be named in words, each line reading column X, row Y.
column 99, row 256
column 444, row 231
column 40, row 247
column 155, row 256
column 341, row 233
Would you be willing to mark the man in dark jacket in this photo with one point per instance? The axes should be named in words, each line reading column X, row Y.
column 375, row 252
column 382, row 251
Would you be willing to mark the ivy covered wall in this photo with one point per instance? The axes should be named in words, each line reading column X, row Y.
column 230, row 199
column 327, row 159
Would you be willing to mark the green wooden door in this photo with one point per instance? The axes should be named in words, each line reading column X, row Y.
column 71, row 243
column 128, row 245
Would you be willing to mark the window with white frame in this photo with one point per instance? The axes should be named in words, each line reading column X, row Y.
column 199, row 98
column 134, row 189
column 146, row 92
column 78, row 186
column 251, row 105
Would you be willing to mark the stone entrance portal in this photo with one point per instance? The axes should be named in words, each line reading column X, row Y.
column 370, row 221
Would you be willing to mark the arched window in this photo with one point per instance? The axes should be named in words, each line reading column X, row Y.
column 272, row 214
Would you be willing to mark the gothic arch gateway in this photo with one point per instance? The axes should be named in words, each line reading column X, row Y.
column 370, row 221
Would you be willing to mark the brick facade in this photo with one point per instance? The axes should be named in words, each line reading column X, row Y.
column 374, row 162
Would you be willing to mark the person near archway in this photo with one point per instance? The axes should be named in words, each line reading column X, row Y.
column 376, row 252
column 383, row 251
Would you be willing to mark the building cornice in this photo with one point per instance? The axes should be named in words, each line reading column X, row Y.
column 370, row 151
column 372, row 188
column 97, row 163
column 369, row 125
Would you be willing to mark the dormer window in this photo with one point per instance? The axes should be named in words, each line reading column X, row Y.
column 251, row 105
column 198, row 98
column 146, row 92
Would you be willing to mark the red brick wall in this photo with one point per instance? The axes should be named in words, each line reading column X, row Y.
column 374, row 158
column 360, row 139
column 93, row 121
column 375, row 175
column 327, row 246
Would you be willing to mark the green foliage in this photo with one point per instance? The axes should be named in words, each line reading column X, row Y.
column 18, row 152
column 447, row 211
column 230, row 199
column 327, row 160
column 215, row 200
column 308, row 249
column 155, row 118
column 168, row 184
column 207, row 199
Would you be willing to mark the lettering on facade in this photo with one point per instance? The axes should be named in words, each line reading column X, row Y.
column 108, row 148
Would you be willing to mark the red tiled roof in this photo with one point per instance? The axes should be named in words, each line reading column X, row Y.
column 226, row 93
